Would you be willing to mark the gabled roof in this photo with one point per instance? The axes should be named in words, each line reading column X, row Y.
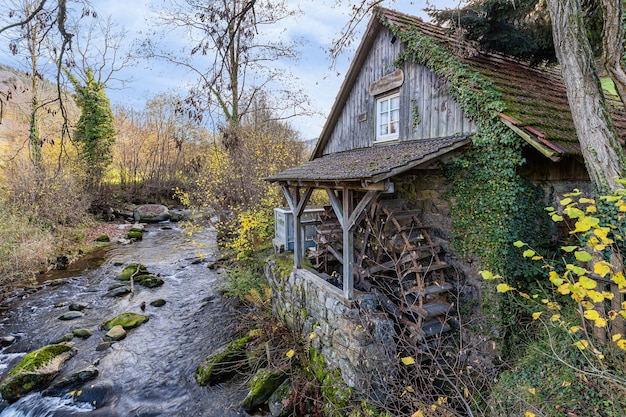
column 372, row 165
column 535, row 98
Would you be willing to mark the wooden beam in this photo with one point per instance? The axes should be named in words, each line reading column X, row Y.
column 544, row 150
column 336, row 205
column 348, row 246
column 362, row 208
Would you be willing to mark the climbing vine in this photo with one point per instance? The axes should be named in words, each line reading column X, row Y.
column 492, row 206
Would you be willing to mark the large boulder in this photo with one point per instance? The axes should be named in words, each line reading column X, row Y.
column 35, row 371
column 72, row 381
column 223, row 363
column 261, row 386
column 127, row 320
column 151, row 213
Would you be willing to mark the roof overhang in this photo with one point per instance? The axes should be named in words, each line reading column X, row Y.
column 370, row 168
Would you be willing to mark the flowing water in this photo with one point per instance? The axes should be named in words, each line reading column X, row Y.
column 151, row 371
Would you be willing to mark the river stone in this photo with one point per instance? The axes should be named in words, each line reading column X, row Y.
column 103, row 238
column 65, row 338
column 262, row 385
column 35, row 371
column 8, row 340
column 127, row 320
column 119, row 291
column 77, row 306
column 149, row 281
column 129, row 270
column 71, row 315
column 82, row 333
column 158, row 302
column 151, row 213
column 103, row 346
column 223, row 363
column 116, row 333
column 279, row 402
column 134, row 234
column 72, row 381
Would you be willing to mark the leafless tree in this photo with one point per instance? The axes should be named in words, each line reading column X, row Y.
column 232, row 47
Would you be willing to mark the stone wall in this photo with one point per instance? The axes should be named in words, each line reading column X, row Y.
column 352, row 336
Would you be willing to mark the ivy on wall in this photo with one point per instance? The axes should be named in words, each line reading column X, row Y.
column 491, row 205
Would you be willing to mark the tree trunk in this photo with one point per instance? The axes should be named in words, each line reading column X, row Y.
column 603, row 154
column 612, row 45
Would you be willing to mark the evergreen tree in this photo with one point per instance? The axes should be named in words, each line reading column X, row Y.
column 95, row 130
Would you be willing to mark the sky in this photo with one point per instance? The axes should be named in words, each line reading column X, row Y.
column 318, row 25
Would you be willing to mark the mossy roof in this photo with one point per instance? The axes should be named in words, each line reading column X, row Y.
column 373, row 164
column 535, row 97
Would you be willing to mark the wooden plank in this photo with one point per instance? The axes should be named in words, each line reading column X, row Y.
column 429, row 310
column 430, row 290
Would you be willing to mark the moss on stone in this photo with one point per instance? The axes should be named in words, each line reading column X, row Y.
column 35, row 370
column 223, row 363
column 130, row 270
column 335, row 391
column 127, row 320
column 261, row 386
column 148, row 280
column 103, row 238
column 133, row 234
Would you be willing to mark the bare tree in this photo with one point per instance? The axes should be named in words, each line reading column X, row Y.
column 230, row 50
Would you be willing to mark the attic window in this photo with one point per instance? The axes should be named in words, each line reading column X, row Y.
column 387, row 117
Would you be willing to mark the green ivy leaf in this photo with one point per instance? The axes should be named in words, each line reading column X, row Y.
column 583, row 256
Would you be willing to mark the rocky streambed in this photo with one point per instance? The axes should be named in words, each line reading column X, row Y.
column 114, row 369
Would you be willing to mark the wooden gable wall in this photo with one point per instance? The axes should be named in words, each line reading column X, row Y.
column 439, row 114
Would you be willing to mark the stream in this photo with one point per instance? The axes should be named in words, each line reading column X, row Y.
column 150, row 373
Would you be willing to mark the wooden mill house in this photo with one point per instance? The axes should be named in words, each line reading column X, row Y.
column 379, row 157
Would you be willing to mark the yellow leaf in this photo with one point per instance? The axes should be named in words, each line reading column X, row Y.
column 621, row 344
column 595, row 296
column 312, row 335
column 532, row 391
column 528, row 253
column 600, row 322
column 616, row 337
column 410, row 389
column 555, row 317
column 418, row 413
column 587, row 283
column 581, row 344
column 407, row 360
column 290, row 353
column 555, row 278
column 536, row 315
column 487, row 275
column 566, row 383
column 529, row 414
column 602, row 268
column 564, row 289
column 573, row 329
column 619, row 280
column 504, row 288
column 582, row 256
column 591, row 315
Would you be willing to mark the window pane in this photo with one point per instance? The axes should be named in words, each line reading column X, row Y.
column 384, row 118
column 383, row 130
column 384, row 105
column 394, row 127
column 395, row 115
column 395, row 102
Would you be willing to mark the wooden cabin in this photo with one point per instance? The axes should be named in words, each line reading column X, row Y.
column 393, row 124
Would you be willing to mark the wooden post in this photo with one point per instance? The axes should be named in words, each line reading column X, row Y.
column 297, row 204
column 348, row 246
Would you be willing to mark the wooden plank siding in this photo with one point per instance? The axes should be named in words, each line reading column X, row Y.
column 439, row 114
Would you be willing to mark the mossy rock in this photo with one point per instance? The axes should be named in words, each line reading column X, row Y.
column 223, row 363
column 133, row 234
column 149, row 281
column 279, row 402
column 336, row 394
column 127, row 320
column 103, row 238
column 131, row 269
column 82, row 333
column 35, row 371
column 261, row 386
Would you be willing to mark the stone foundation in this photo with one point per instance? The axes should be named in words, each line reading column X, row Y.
column 351, row 335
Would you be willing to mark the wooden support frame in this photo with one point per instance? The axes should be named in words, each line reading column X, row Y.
column 297, row 203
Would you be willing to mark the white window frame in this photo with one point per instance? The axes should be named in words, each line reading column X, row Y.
column 387, row 128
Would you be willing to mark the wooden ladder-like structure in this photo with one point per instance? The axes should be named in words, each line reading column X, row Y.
column 421, row 287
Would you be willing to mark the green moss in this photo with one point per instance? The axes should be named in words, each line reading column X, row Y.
column 336, row 393
column 127, row 320
column 103, row 238
column 34, row 370
column 149, row 281
column 130, row 270
column 133, row 234
column 261, row 386
column 223, row 363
